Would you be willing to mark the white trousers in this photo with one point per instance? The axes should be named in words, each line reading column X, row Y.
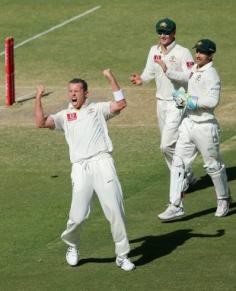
column 200, row 137
column 169, row 118
column 97, row 174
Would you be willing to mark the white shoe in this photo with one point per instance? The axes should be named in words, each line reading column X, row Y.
column 72, row 256
column 171, row 212
column 222, row 207
column 124, row 263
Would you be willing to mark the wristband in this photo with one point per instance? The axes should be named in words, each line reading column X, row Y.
column 192, row 102
column 118, row 95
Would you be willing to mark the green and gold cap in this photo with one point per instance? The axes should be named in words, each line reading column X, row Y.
column 165, row 26
column 205, row 46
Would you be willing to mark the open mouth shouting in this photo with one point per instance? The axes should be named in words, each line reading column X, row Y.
column 77, row 95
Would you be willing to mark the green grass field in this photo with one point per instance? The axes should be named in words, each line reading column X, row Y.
column 194, row 253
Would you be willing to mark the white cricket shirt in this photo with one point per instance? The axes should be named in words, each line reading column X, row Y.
column 179, row 62
column 205, row 84
column 85, row 129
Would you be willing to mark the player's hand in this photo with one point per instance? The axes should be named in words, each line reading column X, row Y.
column 136, row 79
column 183, row 99
column 40, row 89
column 180, row 97
column 108, row 74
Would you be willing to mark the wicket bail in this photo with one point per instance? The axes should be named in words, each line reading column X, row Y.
column 10, row 70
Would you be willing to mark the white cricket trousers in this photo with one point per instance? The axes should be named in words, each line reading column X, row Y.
column 97, row 174
column 200, row 137
column 169, row 118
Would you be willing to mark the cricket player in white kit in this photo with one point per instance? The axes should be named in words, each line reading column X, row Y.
column 170, row 65
column 93, row 168
column 199, row 132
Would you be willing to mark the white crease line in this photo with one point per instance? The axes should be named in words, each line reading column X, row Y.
column 54, row 27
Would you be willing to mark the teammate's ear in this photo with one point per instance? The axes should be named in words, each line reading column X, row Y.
column 211, row 57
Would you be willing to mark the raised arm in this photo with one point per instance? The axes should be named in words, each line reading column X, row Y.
column 119, row 103
column 40, row 120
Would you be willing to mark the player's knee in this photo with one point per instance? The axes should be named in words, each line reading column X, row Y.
column 166, row 149
column 213, row 166
column 77, row 216
column 178, row 162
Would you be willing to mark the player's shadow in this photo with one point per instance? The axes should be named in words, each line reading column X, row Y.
column 154, row 247
column 205, row 181
column 96, row 260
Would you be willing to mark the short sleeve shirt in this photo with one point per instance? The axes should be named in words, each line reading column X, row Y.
column 179, row 62
column 85, row 130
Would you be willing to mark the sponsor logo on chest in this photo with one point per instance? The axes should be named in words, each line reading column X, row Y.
column 172, row 59
column 198, row 78
column 71, row 116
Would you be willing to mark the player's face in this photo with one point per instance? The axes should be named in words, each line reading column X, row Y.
column 202, row 59
column 167, row 39
column 76, row 94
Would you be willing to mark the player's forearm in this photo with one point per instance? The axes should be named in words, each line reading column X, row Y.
column 147, row 75
column 119, row 102
column 39, row 115
column 178, row 75
column 112, row 79
column 114, row 84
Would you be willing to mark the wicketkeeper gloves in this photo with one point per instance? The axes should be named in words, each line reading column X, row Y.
column 183, row 99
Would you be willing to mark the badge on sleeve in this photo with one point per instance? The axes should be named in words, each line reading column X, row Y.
column 71, row 116
column 156, row 58
column 189, row 64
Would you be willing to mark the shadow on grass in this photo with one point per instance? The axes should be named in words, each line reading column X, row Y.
column 205, row 181
column 154, row 247
column 96, row 260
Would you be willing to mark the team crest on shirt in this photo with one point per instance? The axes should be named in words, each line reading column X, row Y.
column 172, row 59
column 71, row 116
column 198, row 78
column 189, row 64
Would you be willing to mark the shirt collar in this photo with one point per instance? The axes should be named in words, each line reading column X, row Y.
column 169, row 47
column 203, row 68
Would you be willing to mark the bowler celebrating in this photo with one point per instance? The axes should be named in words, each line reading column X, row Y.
column 93, row 168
